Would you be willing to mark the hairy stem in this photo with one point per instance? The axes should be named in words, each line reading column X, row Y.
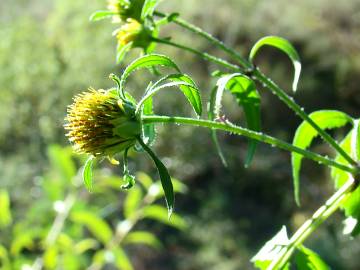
column 229, row 127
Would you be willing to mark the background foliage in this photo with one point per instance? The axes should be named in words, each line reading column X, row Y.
column 49, row 51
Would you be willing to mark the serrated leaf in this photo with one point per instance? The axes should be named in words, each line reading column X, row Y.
column 121, row 50
column 160, row 213
column 5, row 212
column 247, row 96
column 132, row 201
column 283, row 45
column 88, row 174
column 122, row 261
column 164, row 178
column 271, row 250
column 146, row 61
column 144, row 238
column 98, row 227
column 148, row 8
column 184, row 83
column 100, row 15
column 307, row 259
column 304, row 135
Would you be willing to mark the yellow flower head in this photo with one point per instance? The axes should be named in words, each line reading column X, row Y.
column 99, row 123
column 129, row 32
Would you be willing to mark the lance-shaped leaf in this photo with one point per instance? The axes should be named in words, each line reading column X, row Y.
column 159, row 213
column 101, row 14
column 144, row 238
column 148, row 130
column 306, row 259
column 148, row 8
column 304, row 135
column 247, row 96
column 146, row 61
column 164, row 178
column 283, row 45
column 132, row 201
column 183, row 82
column 88, row 174
column 121, row 50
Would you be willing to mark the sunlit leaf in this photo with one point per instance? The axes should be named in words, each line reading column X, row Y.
column 155, row 190
column 148, row 8
column 61, row 160
column 307, row 259
column 100, row 15
column 304, row 135
column 271, row 250
column 148, row 130
column 5, row 212
column 85, row 244
column 50, row 257
column 161, row 214
column 146, row 61
column 4, row 258
column 88, row 174
column 144, row 238
column 98, row 227
column 144, row 179
column 283, row 45
column 122, row 261
column 132, row 201
column 121, row 50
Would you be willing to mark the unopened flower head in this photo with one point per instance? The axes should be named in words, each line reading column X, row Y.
column 101, row 124
column 130, row 32
column 125, row 9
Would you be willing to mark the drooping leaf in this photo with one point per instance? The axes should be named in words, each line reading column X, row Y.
column 247, row 96
column 88, row 174
column 283, row 45
column 307, row 259
column 304, row 135
column 271, row 250
column 132, row 201
column 184, row 83
column 5, row 212
column 101, row 14
column 121, row 50
column 159, row 213
column 148, row 130
column 98, row 227
column 144, row 238
column 164, row 178
column 146, row 61
column 148, row 8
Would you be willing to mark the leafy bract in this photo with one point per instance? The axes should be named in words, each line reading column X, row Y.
column 101, row 14
column 88, row 174
column 143, row 237
column 247, row 96
column 148, row 8
column 306, row 259
column 98, row 227
column 285, row 46
column 159, row 213
column 146, row 61
column 304, row 135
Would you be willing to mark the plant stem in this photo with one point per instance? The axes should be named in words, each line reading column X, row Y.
column 322, row 214
column 203, row 55
column 229, row 127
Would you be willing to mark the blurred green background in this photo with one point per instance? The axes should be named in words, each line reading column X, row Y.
column 49, row 51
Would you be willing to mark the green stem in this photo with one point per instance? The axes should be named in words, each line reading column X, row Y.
column 203, row 55
column 322, row 214
column 229, row 127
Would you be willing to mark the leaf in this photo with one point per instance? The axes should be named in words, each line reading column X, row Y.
column 247, row 96
column 121, row 50
column 283, row 45
column 164, row 178
column 148, row 130
column 61, row 160
column 122, row 261
column 50, row 257
column 143, row 237
column 98, row 227
column 4, row 258
column 5, row 212
column 144, row 179
column 148, row 8
column 185, row 84
column 132, row 201
column 271, row 250
column 87, row 174
column 159, row 213
column 307, row 259
column 146, row 61
column 355, row 140
column 85, row 244
column 304, row 135
column 100, row 15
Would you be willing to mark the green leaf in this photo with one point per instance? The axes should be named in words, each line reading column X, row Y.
column 143, row 237
column 355, row 140
column 159, row 213
column 61, row 160
column 148, row 8
column 148, row 130
column 87, row 173
column 122, row 261
column 100, row 15
column 4, row 258
column 164, row 178
column 121, row 50
column 50, row 257
column 98, row 227
column 304, row 135
column 271, row 250
column 5, row 212
column 283, row 45
column 132, row 201
column 85, row 244
column 144, row 179
column 247, row 96
column 146, row 61
column 307, row 259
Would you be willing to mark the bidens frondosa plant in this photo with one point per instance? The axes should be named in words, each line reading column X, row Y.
column 105, row 123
